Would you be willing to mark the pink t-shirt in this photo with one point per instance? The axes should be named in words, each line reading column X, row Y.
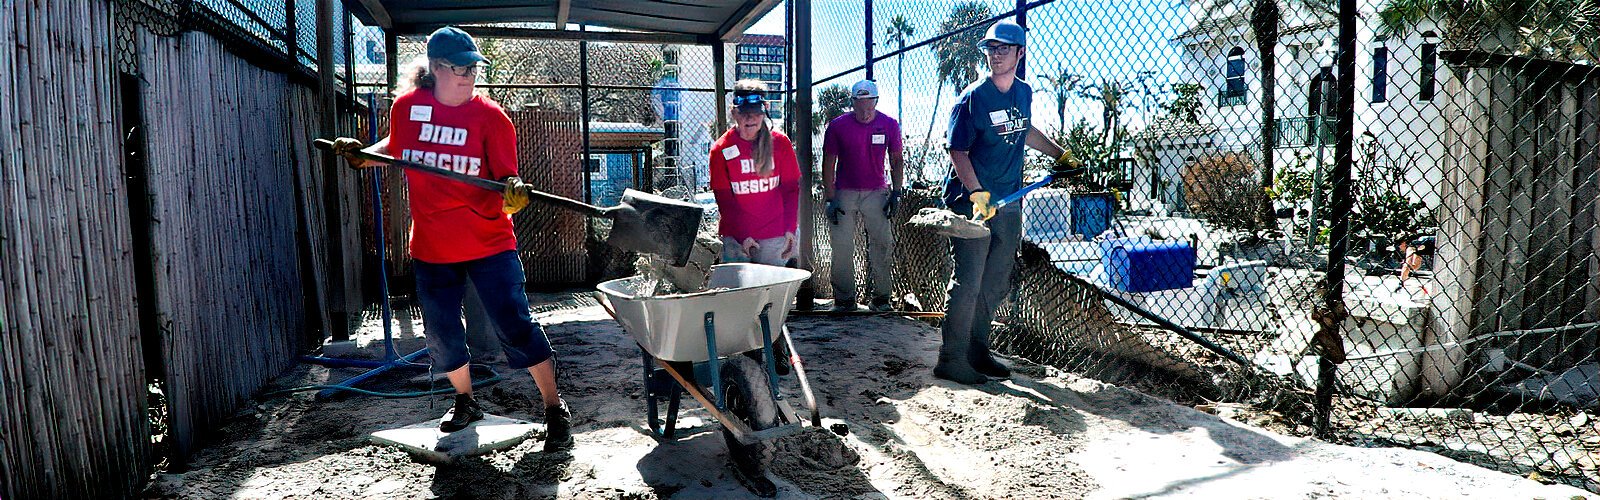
column 754, row 205
column 451, row 220
column 861, row 149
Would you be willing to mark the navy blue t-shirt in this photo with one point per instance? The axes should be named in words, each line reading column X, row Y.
column 992, row 127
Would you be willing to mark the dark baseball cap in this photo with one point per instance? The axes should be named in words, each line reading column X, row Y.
column 453, row 45
column 749, row 101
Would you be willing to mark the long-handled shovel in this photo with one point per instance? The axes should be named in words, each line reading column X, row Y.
column 642, row 222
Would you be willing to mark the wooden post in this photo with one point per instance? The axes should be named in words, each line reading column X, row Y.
column 719, row 83
column 327, row 98
column 802, row 144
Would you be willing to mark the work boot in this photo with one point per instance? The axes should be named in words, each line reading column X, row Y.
column 982, row 359
column 557, row 427
column 991, row 367
column 881, row 304
column 462, row 415
column 841, row 305
column 953, row 364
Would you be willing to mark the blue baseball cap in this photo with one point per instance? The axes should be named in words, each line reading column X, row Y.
column 453, row 45
column 1006, row 32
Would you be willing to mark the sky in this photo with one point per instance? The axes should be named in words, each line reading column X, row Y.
column 1098, row 39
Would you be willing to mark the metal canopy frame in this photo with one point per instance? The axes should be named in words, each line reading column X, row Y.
column 651, row 21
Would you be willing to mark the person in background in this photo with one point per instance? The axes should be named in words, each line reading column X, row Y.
column 853, row 183
column 756, row 180
column 990, row 127
column 461, row 231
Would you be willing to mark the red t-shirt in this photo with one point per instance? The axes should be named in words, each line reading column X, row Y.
column 753, row 205
column 452, row 221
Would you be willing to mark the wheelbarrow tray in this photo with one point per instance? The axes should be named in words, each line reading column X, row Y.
column 673, row 327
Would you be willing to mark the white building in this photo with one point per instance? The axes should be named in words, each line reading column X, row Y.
column 1397, row 118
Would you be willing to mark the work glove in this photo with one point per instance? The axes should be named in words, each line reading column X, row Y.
column 347, row 147
column 791, row 244
column 750, row 247
column 893, row 203
column 1068, row 166
column 834, row 212
column 515, row 196
column 980, row 204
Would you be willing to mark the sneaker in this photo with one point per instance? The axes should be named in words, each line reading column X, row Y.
column 844, row 306
column 882, row 304
column 465, row 412
column 557, row 427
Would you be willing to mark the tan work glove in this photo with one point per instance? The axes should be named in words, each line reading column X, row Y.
column 515, row 196
column 980, row 205
column 347, row 147
column 1068, row 165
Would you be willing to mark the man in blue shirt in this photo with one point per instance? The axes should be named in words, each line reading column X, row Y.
column 989, row 129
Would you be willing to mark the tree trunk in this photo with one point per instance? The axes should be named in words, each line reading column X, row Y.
column 938, row 92
column 1264, row 21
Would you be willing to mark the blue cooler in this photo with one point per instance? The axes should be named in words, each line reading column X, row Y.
column 1146, row 265
column 1091, row 213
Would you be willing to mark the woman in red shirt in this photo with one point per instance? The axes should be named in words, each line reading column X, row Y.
column 460, row 231
column 756, row 180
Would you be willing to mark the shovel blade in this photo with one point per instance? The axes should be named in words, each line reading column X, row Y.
column 652, row 224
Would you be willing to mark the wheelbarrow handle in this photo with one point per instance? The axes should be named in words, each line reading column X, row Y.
column 489, row 184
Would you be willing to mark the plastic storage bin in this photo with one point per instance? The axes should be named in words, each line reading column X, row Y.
column 1146, row 265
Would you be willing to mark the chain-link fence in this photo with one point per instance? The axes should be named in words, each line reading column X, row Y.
column 1460, row 313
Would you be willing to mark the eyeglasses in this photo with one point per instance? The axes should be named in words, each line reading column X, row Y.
column 998, row 49
column 740, row 100
column 467, row 70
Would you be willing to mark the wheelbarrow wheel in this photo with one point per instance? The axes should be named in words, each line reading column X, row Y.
column 746, row 393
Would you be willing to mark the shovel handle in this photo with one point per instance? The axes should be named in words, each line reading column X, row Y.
column 1013, row 197
column 489, row 184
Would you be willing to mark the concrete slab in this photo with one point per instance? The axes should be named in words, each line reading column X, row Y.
column 424, row 439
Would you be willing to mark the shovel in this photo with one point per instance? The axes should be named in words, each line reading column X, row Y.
column 950, row 224
column 643, row 222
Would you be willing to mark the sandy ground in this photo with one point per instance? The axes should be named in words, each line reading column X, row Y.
column 1043, row 434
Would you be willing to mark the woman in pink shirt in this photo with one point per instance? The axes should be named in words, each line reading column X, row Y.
column 756, row 179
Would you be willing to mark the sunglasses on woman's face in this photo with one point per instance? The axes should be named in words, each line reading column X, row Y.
column 740, row 100
column 467, row 70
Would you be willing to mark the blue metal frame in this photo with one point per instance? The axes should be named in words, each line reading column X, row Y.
column 391, row 358
column 657, row 384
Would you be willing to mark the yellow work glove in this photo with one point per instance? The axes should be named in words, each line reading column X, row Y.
column 1067, row 165
column 347, row 147
column 980, row 205
column 515, row 197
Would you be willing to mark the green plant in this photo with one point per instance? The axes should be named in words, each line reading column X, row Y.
column 1187, row 105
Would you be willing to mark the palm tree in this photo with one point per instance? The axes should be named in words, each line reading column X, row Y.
column 958, row 54
column 1265, row 18
column 1064, row 85
column 833, row 101
column 899, row 30
column 1566, row 30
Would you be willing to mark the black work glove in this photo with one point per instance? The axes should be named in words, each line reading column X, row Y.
column 893, row 203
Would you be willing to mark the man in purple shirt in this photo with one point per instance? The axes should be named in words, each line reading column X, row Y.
column 854, row 185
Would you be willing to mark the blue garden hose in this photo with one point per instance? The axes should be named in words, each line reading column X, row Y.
column 392, row 395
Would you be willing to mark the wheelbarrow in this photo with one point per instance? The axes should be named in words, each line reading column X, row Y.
column 722, row 346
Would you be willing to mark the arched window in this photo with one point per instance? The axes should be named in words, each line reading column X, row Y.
column 1430, row 62
column 1233, row 88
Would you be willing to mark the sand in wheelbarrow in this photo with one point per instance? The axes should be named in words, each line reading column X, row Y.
column 659, row 277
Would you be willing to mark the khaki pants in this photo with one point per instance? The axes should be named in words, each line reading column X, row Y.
column 867, row 208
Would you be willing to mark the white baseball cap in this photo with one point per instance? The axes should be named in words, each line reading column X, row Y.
column 864, row 89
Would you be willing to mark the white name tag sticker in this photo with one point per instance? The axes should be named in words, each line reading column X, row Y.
column 879, row 139
column 421, row 113
column 997, row 117
column 730, row 152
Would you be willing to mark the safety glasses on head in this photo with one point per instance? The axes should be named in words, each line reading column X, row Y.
column 747, row 99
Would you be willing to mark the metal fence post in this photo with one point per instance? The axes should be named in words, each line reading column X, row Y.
column 1333, row 301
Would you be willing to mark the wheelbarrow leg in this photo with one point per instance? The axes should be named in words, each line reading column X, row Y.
column 767, row 352
column 716, row 364
column 653, row 389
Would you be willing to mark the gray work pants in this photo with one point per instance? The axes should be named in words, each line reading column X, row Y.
column 867, row 208
column 980, row 282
